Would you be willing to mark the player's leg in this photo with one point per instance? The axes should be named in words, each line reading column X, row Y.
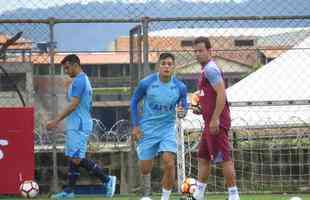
column 229, row 174
column 169, row 174
column 146, row 151
column 145, row 170
column 72, row 152
column 168, row 147
column 109, row 182
column 204, row 169
column 228, row 168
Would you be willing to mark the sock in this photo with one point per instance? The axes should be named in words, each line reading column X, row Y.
column 200, row 191
column 73, row 175
column 233, row 193
column 165, row 194
column 95, row 169
column 146, row 185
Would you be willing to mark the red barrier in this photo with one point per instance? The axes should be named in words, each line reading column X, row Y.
column 16, row 148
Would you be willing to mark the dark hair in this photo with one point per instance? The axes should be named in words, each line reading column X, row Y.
column 165, row 55
column 204, row 40
column 71, row 58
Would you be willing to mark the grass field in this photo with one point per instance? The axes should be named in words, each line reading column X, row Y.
column 210, row 197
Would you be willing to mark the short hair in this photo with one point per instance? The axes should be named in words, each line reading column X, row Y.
column 71, row 58
column 165, row 55
column 204, row 40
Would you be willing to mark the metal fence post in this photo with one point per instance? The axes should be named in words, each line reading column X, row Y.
column 145, row 25
column 54, row 102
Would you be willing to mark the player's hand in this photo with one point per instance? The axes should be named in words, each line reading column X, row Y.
column 180, row 112
column 195, row 104
column 136, row 134
column 214, row 126
column 51, row 124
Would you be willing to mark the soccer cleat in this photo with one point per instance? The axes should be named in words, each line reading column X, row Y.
column 63, row 195
column 111, row 186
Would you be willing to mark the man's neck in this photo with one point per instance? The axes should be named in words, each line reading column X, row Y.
column 203, row 64
column 78, row 71
column 164, row 79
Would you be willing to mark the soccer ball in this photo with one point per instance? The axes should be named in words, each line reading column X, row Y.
column 189, row 186
column 29, row 189
column 295, row 198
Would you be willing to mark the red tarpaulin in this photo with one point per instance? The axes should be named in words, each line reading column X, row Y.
column 16, row 148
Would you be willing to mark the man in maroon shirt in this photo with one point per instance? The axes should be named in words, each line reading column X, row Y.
column 214, row 145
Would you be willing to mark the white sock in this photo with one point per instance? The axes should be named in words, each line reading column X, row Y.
column 200, row 191
column 233, row 193
column 165, row 194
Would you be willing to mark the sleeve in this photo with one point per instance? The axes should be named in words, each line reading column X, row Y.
column 78, row 86
column 138, row 94
column 183, row 97
column 213, row 75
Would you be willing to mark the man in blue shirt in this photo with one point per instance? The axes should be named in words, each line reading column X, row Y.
column 78, row 127
column 155, row 132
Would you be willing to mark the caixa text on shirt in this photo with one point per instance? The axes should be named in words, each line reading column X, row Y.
column 162, row 108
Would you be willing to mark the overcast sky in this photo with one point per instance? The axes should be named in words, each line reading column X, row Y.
column 7, row 5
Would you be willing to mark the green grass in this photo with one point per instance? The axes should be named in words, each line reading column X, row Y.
column 157, row 197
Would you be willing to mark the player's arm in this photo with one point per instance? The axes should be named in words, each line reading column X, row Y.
column 67, row 111
column 182, row 104
column 215, row 78
column 134, row 113
column 220, row 99
column 77, row 92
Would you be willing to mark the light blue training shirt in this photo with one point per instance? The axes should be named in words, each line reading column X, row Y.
column 80, row 119
column 159, row 104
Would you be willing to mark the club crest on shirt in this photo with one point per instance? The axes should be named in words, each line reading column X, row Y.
column 200, row 93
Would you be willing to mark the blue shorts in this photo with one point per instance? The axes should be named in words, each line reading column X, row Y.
column 76, row 143
column 149, row 147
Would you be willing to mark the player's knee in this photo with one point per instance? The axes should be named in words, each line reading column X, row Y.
column 169, row 164
column 145, row 169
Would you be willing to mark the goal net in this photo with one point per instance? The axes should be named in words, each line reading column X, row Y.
column 268, row 157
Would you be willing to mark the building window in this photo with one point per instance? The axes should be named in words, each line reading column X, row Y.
column 46, row 69
column 91, row 70
column 57, row 69
column 243, row 43
column 186, row 43
column 103, row 71
column 43, row 70
column 115, row 70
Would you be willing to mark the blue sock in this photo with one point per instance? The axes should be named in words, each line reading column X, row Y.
column 73, row 175
column 95, row 169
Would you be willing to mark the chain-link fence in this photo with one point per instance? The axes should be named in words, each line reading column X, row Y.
column 71, row 9
column 261, row 46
